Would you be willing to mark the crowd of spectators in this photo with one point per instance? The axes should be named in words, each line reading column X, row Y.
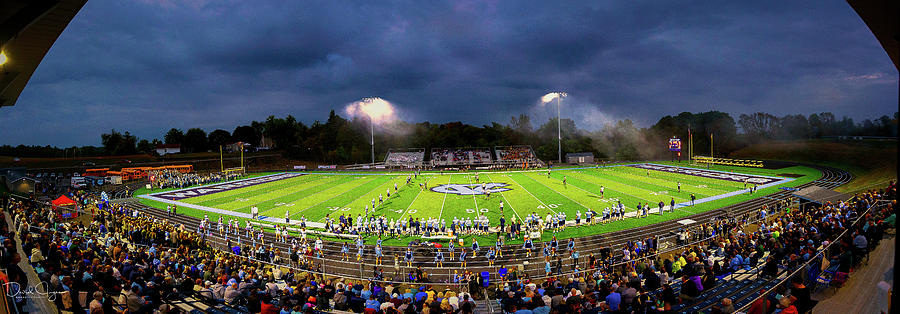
column 174, row 179
column 125, row 259
column 405, row 158
column 445, row 156
column 515, row 154
column 481, row 156
column 781, row 242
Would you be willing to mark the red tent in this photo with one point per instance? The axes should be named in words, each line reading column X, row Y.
column 63, row 201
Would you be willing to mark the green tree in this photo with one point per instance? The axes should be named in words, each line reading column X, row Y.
column 174, row 136
column 246, row 134
column 218, row 138
column 194, row 141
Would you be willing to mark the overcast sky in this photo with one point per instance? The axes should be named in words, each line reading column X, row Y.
column 147, row 66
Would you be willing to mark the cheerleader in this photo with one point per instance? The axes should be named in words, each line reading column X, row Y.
column 359, row 253
column 491, row 255
column 462, row 257
column 439, row 259
column 571, row 245
column 554, row 244
column 378, row 254
column 451, row 249
column 547, row 267
column 528, row 245
column 474, row 246
column 409, row 257
column 499, row 247
column 319, row 248
column 546, row 252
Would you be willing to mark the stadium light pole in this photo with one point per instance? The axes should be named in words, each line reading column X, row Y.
column 372, row 125
column 558, row 131
column 559, row 96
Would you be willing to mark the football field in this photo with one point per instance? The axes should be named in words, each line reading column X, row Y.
column 450, row 195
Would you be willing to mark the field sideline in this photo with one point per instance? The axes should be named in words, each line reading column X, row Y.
column 315, row 195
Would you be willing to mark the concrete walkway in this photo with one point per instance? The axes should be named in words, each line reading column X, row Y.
column 861, row 292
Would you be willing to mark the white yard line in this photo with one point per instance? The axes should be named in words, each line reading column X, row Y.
column 612, row 189
column 557, row 192
column 507, row 201
column 281, row 183
column 474, row 198
column 680, row 199
column 532, row 195
column 411, row 203
column 450, row 179
column 364, row 194
column 330, row 198
column 269, row 199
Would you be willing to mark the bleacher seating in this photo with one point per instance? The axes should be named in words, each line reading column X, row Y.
column 460, row 156
column 728, row 161
column 405, row 158
column 515, row 154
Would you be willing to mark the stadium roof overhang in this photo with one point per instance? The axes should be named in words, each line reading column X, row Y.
column 881, row 17
column 820, row 195
column 28, row 28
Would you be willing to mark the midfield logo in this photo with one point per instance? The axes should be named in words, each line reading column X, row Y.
column 471, row 189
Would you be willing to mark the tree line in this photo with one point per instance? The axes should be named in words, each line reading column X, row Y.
column 342, row 140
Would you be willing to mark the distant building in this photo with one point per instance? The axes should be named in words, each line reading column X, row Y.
column 236, row 147
column 16, row 181
column 165, row 149
column 580, row 158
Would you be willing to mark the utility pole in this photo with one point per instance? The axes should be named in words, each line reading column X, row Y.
column 690, row 144
column 221, row 161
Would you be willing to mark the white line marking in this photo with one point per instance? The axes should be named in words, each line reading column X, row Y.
column 450, row 179
column 507, row 201
column 532, row 195
column 330, row 198
column 557, row 192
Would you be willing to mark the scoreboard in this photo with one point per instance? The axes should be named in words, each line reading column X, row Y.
column 675, row 144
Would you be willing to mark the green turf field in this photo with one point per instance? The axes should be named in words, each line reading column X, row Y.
column 315, row 195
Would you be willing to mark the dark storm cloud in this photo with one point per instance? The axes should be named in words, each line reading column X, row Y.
column 147, row 66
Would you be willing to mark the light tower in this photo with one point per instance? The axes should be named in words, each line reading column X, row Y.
column 370, row 100
column 546, row 99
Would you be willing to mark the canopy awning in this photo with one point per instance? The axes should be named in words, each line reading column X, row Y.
column 63, row 201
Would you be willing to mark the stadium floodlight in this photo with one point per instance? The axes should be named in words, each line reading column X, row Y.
column 3, row 58
column 377, row 109
column 549, row 97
